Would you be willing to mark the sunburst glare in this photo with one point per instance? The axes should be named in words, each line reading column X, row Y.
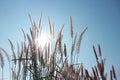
column 42, row 40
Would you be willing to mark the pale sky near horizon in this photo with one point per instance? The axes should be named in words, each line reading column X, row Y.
column 102, row 17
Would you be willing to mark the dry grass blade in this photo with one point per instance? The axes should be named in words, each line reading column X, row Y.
column 52, row 58
column 53, row 30
column 86, row 73
column 93, row 71
column 61, row 29
column 99, row 48
column 102, row 64
column 27, row 51
column 61, row 59
column 36, row 29
column 40, row 23
column 14, row 75
column 5, row 54
column 30, row 19
column 100, row 68
column 2, row 64
column 18, row 73
column 29, row 40
column 80, row 39
column 39, row 52
column 12, row 48
column 111, row 78
column 71, row 27
column 60, row 44
column 46, row 56
column 42, row 60
column 52, row 62
column 95, row 53
column 19, row 62
column 96, row 71
column 50, row 26
column 114, row 74
column 32, row 33
column 21, row 54
column 1, row 49
column 18, row 49
column 65, row 50
column 1, row 60
column 25, row 47
column 73, row 44
column 59, row 37
column 81, row 69
column 24, row 35
column 48, row 53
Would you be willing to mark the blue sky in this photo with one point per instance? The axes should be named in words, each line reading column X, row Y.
column 102, row 17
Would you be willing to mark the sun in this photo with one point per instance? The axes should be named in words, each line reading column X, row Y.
column 42, row 40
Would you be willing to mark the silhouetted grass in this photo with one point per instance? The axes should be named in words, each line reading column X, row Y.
column 31, row 62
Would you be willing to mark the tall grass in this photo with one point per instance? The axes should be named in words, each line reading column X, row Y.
column 31, row 62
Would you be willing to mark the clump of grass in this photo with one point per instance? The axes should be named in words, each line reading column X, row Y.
column 52, row 63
